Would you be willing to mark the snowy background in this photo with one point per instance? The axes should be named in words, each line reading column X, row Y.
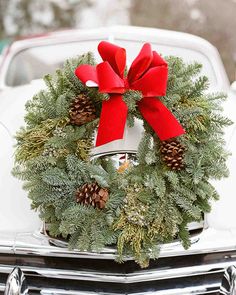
column 214, row 20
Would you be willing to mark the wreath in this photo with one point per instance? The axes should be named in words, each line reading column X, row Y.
column 150, row 196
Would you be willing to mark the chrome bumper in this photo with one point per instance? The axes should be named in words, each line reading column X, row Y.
column 51, row 269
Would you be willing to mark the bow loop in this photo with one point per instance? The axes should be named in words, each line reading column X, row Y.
column 114, row 55
column 148, row 74
column 153, row 82
column 141, row 63
column 108, row 80
column 157, row 60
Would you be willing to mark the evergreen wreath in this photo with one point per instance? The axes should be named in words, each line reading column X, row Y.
column 90, row 202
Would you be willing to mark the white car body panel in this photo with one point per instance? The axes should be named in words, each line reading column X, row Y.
column 15, row 213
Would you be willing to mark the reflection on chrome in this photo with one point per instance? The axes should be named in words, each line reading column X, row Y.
column 228, row 285
column 16, row 283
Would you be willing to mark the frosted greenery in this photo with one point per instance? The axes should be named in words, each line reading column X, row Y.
column 148, row 203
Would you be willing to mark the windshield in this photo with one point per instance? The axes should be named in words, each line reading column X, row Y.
column 33, row 63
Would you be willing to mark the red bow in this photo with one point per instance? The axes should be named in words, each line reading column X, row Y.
column 148, row 74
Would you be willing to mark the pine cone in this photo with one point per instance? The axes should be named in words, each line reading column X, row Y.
column 92, row 194
column 82, row 110
column 172, row 154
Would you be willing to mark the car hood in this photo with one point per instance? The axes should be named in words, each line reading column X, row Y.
column 12, row 104
column 15, row 213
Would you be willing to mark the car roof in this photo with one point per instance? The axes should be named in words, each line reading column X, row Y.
column 115, row 33
column 123, row 34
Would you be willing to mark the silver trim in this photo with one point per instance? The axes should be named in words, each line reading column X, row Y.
column 207, row 242
column 66, row 292
column 64, row 244
column 38, row 244
column 128, row 278
column 183, row 291
column 2, row 287
column 198, row 290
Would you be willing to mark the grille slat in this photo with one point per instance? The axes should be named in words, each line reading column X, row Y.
column 191, row 274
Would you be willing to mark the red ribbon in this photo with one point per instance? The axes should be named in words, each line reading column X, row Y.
column 148, row 74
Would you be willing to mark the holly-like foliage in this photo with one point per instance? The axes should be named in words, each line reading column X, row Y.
column 148, row 203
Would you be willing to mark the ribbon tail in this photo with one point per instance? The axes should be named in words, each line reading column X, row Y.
column 160, row 118
column 112, row 120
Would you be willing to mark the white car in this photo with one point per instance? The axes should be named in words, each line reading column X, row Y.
column 48, row 266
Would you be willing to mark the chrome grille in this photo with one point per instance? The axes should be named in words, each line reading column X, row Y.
column 54, row 270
